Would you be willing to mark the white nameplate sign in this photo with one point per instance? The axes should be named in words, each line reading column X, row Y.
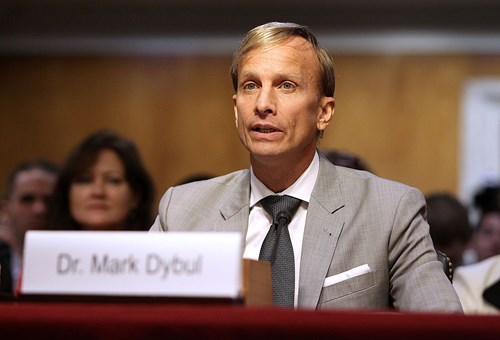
column 172, row 264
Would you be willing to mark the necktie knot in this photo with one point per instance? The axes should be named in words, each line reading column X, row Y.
column 281, row 208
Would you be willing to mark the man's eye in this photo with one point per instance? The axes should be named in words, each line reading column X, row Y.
column 249, row 86
column 287, row 85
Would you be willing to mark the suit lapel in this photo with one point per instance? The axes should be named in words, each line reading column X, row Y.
column 234, row 209
column 324, row 223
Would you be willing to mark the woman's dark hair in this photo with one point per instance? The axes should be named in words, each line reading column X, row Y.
column 487, row 198
column 82, row 158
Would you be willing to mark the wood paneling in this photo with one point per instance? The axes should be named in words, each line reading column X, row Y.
column 400, row 113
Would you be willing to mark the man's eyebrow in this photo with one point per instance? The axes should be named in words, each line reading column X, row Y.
column 247, row 75
column 280, row 76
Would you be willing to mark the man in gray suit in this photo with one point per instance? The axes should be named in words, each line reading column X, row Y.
column 359, row 241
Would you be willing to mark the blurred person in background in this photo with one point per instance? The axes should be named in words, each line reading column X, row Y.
column 478, row 286
column 24, row 207
column 449, row 225
column 5, row 270
column 103, row 185
column 347, row 159
column 485, row 240
column 6, row 233
column 478, row 283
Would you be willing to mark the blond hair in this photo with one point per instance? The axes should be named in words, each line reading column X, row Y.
column 275, row 33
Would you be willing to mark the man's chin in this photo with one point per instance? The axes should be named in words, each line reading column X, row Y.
column 264, row 150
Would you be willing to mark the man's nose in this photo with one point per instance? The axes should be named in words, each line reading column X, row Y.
column 266, row 101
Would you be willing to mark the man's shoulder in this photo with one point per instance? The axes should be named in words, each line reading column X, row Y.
column 351, row 179
column 212, row 189
column 231, row 179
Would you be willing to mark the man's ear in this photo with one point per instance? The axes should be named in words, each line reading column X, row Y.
column 235, row 111
column 326, row 114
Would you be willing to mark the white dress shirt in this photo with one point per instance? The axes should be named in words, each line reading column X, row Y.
column 259, row 221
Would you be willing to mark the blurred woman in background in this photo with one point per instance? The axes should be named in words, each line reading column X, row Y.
column 103, row 186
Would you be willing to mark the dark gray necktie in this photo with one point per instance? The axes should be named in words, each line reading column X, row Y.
column 277, row 247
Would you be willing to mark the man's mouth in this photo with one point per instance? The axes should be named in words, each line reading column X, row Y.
column 264, row 129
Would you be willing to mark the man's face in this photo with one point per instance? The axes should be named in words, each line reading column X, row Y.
column 278, row 108
column 26, row 209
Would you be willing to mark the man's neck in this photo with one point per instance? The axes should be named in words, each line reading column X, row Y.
column 278, row 175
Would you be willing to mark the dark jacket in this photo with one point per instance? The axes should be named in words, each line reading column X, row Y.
column 5, row 270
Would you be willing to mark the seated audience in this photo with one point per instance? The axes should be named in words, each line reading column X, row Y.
column 449, row 225
column 5, row 270
column 103, row 186
column 488, row 198
column 6, row 233
column 25, row 207
column 478, row 286
column 485, row 240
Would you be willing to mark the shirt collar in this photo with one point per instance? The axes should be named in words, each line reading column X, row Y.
column 301, row 189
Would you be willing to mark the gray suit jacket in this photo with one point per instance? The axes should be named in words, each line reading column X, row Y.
column 353, row 218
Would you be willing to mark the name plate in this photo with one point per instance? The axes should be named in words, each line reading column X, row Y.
column 172, row 264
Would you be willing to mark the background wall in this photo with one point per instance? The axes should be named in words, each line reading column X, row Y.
column 400, row 113
column 157, row 72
